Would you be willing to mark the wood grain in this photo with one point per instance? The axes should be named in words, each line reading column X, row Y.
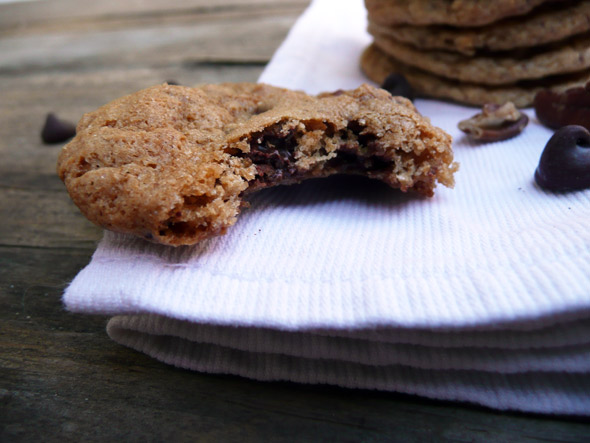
column 61, row 378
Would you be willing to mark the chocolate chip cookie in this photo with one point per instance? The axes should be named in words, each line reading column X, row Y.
column 174, row 164
column 571, row 55
column 544, row 25
column 447, row 12
column 377, row 66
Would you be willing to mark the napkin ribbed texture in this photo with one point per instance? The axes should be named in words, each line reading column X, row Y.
column 479, row 294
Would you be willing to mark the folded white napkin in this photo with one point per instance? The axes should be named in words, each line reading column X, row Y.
column 480, row 294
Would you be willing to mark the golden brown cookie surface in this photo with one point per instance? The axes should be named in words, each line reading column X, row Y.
column 447, row 12
column 377, row 65
column 172, row 164
column 543, row 25
column 571, row 55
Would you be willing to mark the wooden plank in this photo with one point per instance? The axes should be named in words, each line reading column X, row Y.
column 251, row 39
column 145, row 46
column 42, row 15
column 45, row 219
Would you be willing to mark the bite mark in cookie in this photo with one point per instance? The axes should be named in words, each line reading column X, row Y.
column 173, row 164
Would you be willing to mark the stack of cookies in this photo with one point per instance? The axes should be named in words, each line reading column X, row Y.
column 478, row 51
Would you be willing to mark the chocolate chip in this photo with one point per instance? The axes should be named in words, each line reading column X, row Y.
column 272, row 151
column 571, row 107
column 56, row 130
column 565, row 162
column 173, row 82
column 396, row 84
column 495, row 123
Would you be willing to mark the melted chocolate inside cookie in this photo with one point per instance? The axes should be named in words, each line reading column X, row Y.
column 273, row 152
column 359, row 153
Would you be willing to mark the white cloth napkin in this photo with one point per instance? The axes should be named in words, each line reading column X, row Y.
column 480, row 294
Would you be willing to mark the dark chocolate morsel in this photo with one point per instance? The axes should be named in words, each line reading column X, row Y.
column 173, row 82
column 56, row 130
column 396, row 84
column 565, row 162
column 558, row 109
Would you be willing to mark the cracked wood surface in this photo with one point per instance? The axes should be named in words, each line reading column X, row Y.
column 61, row 378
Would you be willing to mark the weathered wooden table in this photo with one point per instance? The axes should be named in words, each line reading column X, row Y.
column 61, row 377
